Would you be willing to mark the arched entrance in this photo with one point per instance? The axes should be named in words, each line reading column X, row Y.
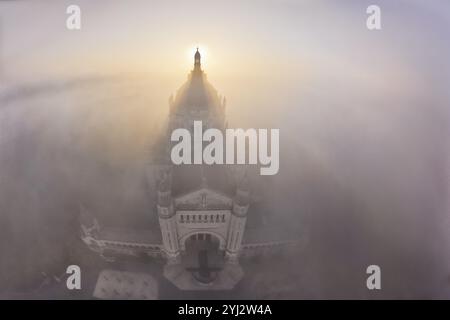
column 203, row 257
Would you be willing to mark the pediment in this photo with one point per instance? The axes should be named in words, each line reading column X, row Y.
column 203, row 199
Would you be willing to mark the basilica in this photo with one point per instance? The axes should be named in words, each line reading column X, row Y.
column 207, row 217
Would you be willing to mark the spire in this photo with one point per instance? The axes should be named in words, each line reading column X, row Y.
column 197, row 58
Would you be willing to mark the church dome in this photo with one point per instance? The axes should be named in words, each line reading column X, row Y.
column 197, row 94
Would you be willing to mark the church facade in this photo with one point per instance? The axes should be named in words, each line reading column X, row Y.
column 198, row 207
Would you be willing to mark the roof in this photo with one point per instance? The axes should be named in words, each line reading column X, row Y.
column 86, row 218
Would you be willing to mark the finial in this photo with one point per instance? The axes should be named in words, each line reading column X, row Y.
column 204, row 182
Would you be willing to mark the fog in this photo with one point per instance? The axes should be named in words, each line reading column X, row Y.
column 363, row 121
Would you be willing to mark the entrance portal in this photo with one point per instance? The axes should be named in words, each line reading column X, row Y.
column 203, row 257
